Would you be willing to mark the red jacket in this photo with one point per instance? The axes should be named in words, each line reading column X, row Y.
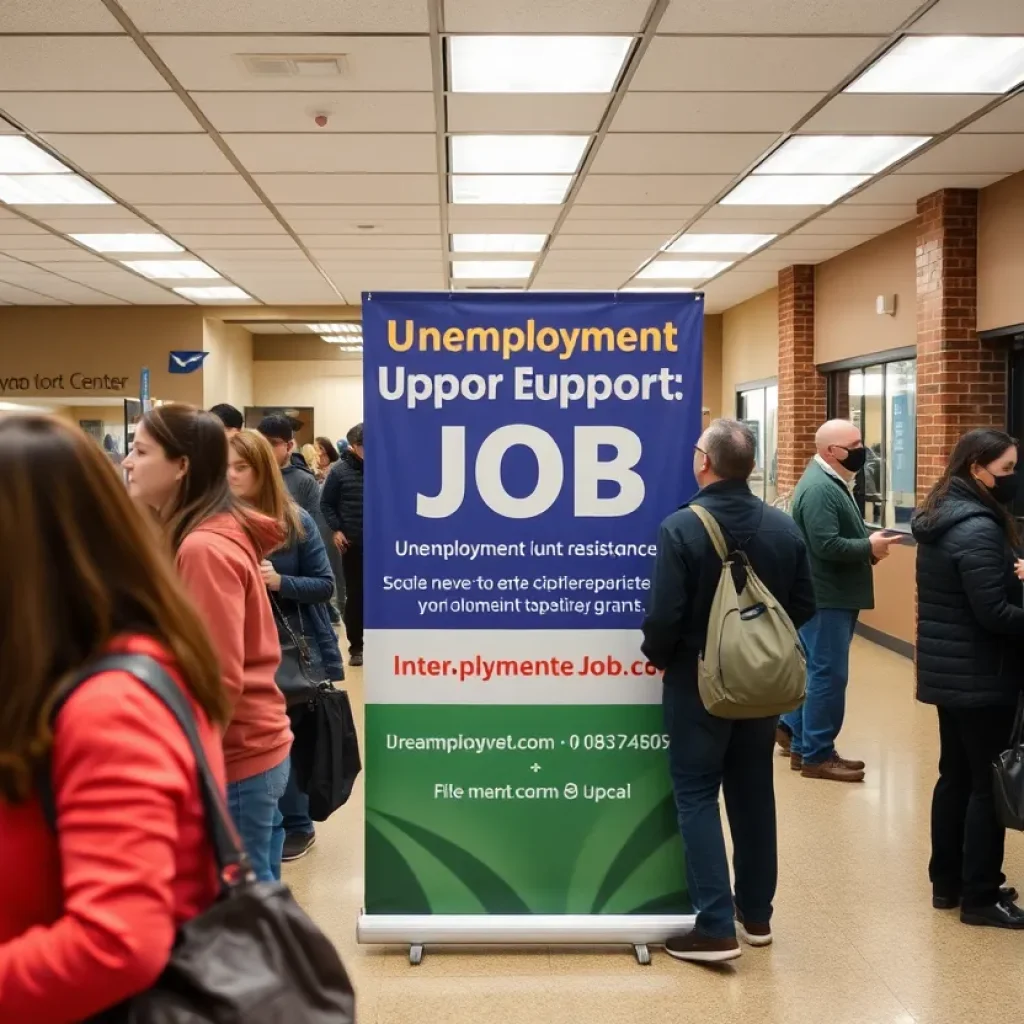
column 221, row 570
column 91, row 921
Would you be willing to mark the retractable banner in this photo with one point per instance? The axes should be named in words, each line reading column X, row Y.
column 521, row 452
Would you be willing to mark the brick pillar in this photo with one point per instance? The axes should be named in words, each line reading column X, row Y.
column 801, row 387
column 961, row 381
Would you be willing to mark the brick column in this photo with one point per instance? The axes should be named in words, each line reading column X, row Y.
column 961, row 381
column 801, row 387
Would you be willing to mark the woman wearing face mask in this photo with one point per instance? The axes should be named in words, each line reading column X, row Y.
column 178, row 467
column 970, row 636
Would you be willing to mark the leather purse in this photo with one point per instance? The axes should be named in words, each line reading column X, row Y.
column 298, row 676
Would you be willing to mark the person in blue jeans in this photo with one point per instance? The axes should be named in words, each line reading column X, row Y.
column 842, row 553
column 300, row 581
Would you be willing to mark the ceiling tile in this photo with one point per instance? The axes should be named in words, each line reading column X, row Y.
column 786, row 17
column 113, row 112
column 70, row 223
column 542, row 16
column 968, row 17
column 25, row 297
column 373, row 63
column 902, row 212
column 384, row 279
column 598, row 279
column 908, row 188
column 352, row 188
column 679, row 154
column 815, row 243
column 370, row 243
column 248, row 210
column 734, row 288
column 142, row 154
column 336, row 153
column 607, row 189
column 778, row 214
column 668, row 213
column 18, row 244
column 79, row 294
column 1007, row 117
column 243, row 242
column 366, row 213
column 581, row 232
column 462, row 215
column 44, row 15
column 75, row 63
column 749, row 64
column 125, row 286
column 346, row 227
column 12, row 224
column 625, row 243
column 226, row 226
column 751, row 223
column 964, row 154
column 181, row 188
column 295, row 111
column 868, row 226
column 866, row 112
column 525, row 112
column 324, row 16
column 712, row 111
column 333, row 259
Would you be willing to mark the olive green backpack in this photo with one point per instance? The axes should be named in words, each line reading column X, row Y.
column 753, row 664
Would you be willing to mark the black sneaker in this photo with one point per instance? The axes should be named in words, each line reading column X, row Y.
column 355, row 659
column 1007, row 895
column 702, row 949
column 1000, row 915
column 297, row 845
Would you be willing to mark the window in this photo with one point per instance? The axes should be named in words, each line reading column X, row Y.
column 881, row 399
column 757, row 405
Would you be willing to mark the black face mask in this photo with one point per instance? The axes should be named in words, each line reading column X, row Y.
column 1005, row 488
column 855, row 459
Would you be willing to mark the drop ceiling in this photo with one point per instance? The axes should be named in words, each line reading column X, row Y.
column 156, row 102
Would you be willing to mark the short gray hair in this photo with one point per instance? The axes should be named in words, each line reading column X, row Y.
column 731, row 449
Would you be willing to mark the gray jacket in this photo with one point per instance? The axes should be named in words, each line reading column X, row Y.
column 303, row 488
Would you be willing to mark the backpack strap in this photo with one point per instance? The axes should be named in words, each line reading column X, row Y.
column 232, row 861
column 714, row 531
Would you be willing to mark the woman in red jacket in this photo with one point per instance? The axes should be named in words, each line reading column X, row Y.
column 88, row 915
column 178, row 467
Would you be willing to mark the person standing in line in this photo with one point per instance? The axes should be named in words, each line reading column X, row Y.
column 328, row 457
column 842, row 552
column 709, row 755
column 178, row 467
column 299, row 580
column 970, row 639
column 298, row 477
column 342, row 505
column 231, row 418
column 89, row 912
column 328, row 454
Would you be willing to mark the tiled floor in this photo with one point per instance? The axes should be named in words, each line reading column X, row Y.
column 856, row 939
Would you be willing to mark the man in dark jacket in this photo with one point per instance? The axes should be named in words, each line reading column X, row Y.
column 298, row 477
column 342, row 506
column 708, row 753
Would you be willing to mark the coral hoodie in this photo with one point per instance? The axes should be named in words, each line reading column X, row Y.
column 221, row 570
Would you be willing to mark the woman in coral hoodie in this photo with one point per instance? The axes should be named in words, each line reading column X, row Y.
column 178, row 467
column 89, row 910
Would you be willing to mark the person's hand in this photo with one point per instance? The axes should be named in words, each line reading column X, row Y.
column 1018, row 568
column 341, row 541
column 271, row 580
column 880, row 544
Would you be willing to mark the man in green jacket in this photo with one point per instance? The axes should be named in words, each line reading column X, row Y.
column 841, row 552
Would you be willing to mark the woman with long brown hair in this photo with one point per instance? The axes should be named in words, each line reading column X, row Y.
column 299, row 579
column 970, row 639
column 178, row 468
column 88, row 915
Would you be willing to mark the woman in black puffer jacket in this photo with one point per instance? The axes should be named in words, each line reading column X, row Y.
column 970, row 638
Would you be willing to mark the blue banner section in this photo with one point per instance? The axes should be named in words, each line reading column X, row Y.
column 521, row 451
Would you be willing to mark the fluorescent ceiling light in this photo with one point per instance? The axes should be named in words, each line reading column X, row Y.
column 172, row 270
column 840, row 154
column 19, row 155
column 517, row 154
column 719, row 243
column 946, row 64
column 217, row 292
column 793, row 189
column 128, row 243
column 551, row 64
column 498, row 243
column 531, row 189
column 50, row 190
column 346, row 339
column 667, row 290
column 684, row 270
column 482, row 269
column 349, row 328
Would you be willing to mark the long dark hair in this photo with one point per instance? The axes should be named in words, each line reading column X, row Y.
column 979, row 447
column 79, row 566
column 328, row 448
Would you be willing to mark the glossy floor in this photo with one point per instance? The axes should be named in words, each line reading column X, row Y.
column 856, row 939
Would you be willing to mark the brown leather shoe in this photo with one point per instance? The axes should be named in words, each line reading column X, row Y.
column 833, row 771
column 784, row 739
column 702, row 949
column 857, row 766
column 796, row 762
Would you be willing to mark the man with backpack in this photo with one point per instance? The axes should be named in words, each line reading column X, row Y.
column 745, row 674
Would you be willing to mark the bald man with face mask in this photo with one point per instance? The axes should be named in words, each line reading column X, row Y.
column 842, row 553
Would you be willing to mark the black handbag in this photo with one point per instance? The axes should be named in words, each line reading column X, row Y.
column 297, row 676
column 254, row 957
column 1008, row 776
column 325, row 755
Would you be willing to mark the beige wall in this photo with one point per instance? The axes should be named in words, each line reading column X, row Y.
column 895, row 596
column 750, row 345
column 227, row 372
column 1001, row 255
column 712, row 382
column 845, row 291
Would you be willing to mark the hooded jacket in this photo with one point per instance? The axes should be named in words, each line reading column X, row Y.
column 221, row 570
column 970, row 623
column 302, row 485
column 342, row 500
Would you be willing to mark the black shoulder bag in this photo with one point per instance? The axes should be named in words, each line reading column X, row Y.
column 1008, row 776
column 296, row 677
column 254, row 957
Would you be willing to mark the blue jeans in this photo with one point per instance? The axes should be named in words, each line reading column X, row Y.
column 816, row 724
column 294, row 808
column 708, row 755
column 253, row 805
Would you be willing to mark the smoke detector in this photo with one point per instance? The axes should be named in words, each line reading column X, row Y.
column 294, row 65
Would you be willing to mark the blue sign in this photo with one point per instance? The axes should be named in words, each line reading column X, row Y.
column 144, row 385
column 902, row 446
column 186, row 361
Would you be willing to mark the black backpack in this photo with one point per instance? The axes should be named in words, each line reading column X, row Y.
column 254, row 957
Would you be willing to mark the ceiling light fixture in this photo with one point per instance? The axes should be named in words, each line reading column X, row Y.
column 502, row 189
column 498, row 269
column 50, row 190
column 719, row 243
column 346, row 328
column 213, row 293
column 19, row 155
column 840, row 154
column 946, row 64
column 128, row 243
column 536, row 64
column 498, row 243
column 342, row 339
column 517, row 154
column 172, row 270
column 665, row 290
column 683, row 270
column 793, row 189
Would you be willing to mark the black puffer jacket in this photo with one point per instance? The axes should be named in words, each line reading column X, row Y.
column 970, row 624
column 342, row 498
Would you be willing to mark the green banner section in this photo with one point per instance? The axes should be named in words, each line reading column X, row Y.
column 520, row 809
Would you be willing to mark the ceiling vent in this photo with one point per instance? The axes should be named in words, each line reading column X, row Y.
column 295, row 65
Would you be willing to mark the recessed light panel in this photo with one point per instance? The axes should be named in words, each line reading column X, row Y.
column 172, row 270
column 536, row 64
column 50, row 190
column 989, row 65
column 719, row 243
column 664, row 290
column 19, row 155
column 496, row 269
column 840, row 154
column 128, row 243
column 213, row 294
column 683, row 270
column 793, row 189
column 498, row 243
column 517, row 154
column 344, row 340
column 345, row 328
column 499, row 189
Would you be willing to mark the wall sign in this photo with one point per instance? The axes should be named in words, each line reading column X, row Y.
column 76, row 381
